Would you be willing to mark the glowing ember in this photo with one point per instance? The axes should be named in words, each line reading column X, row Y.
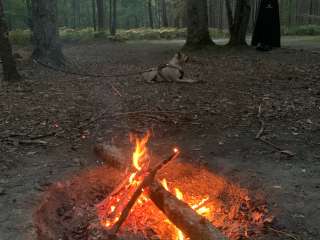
column 111, row 209
column 198, row 207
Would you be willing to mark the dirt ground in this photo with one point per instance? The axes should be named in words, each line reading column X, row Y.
column 50, row 122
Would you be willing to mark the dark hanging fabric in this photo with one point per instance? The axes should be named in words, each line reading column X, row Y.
column 267, row 27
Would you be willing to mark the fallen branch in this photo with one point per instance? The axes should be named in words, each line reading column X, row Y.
column 262, row 124
column 284, row 233
column 148, row 179
column 260, row 137
column 180, row 214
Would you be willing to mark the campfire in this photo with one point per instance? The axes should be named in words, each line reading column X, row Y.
column 140, row 186
column 167, row 200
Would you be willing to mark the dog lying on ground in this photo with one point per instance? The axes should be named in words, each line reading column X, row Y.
column 170, row 72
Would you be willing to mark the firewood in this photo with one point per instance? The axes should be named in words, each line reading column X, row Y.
column 148, row 179
column 184, row 217
column 111, row 155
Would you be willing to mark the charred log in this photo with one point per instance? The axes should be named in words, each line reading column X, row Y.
column 181, row 215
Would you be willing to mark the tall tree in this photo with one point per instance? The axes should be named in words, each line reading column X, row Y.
column 46, row 44
column 29, row 13
column 150, row 13
column 197, row 23
column 113, row 28
column 94, row 18
column 75, row 13
column 239, row 22
column 101, row 15
column 9, row 65
column 164, row 13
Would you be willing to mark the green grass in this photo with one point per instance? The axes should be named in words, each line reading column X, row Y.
column 23, row 37
column 304, row 30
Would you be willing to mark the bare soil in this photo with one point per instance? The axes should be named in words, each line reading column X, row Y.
column 50, row 122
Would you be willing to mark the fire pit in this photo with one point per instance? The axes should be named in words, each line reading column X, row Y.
column 169, row 200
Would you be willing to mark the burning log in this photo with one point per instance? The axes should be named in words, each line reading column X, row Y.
column 182, row 215
column 114, row 210
column 147, row 181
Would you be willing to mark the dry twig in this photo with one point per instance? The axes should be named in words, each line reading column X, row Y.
column 260, row 137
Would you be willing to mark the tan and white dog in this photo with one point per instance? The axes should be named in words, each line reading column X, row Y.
column 170, row 72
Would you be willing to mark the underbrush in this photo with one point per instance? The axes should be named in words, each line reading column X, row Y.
column 23, row 37
column 304, row 30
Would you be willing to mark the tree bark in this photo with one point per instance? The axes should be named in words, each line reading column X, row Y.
column 9, row 65
column 101, row 15
column 94, row 18
column 238, row 24
column 150, row 13
column 197, row 23
column 181, row 215
column 46, row 45
column 29, row 13
column 164, row 13
column 113, row 29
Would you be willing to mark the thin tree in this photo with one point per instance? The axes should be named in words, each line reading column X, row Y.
column 9, row 65
column 164, row 13
column 113, row 28
column 101, row 15
column 197, row 23
column 46, row 44
column 239, row 22
column 94, row 18
column 150, row 13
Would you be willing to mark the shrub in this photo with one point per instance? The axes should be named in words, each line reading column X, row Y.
column 20, row 37
column 304, row 30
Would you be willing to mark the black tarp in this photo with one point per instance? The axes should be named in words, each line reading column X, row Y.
column 267, row 27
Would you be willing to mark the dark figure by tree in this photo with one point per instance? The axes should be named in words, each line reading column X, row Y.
column 8, row 62
column 267, row 34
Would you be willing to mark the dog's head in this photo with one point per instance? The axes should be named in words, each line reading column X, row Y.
column 181, row 58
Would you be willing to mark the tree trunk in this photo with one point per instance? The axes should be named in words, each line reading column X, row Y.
column 94, row 18
column 113, row 29
column 46, row 46
column 101, row 15
column 164, row 13
column 75, row 14
column 197, row 23
column 9, row 65
column 238, row 25
column 29, row 13
column 150, row 13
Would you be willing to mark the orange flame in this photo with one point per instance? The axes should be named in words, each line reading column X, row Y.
column 140, row 161
column 141, row 152
column 198, row 207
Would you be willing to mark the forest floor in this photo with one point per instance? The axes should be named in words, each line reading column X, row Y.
column 50, row 122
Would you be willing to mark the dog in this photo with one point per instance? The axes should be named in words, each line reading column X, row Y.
column 170, row 72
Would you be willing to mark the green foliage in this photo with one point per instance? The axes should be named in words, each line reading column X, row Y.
column 20, row 37
column 69, row 34
column 304, row 30
column 16, row 13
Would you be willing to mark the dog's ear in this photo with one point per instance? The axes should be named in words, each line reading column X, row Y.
column 179, row 54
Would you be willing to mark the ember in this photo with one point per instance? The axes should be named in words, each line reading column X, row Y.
column 183, row 205
column 114, row 210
